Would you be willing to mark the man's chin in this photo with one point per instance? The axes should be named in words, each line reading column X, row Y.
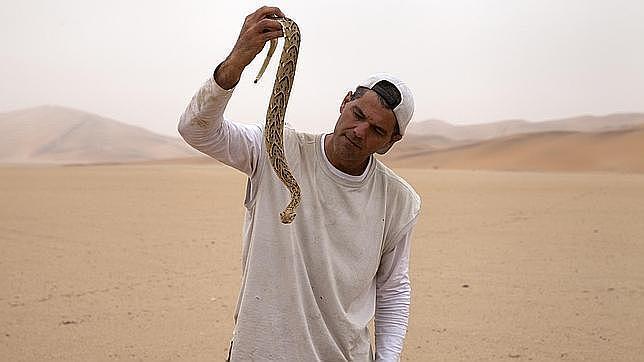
column 349, row 155
column 347, row 150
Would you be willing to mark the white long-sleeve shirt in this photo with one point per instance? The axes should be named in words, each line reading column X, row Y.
column 238, row 145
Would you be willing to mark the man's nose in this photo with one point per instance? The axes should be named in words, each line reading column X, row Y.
column 360, row 130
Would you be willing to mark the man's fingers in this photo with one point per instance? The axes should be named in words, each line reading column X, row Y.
column 267, row 11
column 268, row 25
column 272, row 35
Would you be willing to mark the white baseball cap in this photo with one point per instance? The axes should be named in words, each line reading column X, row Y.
column 401, row 102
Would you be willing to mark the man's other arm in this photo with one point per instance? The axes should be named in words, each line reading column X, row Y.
column 393, row 295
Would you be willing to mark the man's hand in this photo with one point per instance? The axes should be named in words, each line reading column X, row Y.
column 258, row 28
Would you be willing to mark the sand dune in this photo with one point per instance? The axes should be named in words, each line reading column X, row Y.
column 506, row 128
column 60, row 135
column 615, row 151
column 51, row 134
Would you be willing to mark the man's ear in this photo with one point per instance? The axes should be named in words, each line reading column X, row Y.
column 394, row 138
column 346, row 99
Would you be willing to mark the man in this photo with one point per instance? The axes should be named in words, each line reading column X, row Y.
column 310, row 289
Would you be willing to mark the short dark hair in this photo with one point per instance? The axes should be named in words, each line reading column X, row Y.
column 388, row 90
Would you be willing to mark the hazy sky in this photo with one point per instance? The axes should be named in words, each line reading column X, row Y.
column 140, row 62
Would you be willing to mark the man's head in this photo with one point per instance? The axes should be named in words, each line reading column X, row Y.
column 372, row 118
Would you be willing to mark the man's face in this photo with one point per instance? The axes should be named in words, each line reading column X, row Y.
column 364, row 127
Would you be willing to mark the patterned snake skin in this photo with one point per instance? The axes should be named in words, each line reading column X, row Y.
column 274, row 129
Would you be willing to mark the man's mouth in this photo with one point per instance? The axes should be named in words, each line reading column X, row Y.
column 352, row 142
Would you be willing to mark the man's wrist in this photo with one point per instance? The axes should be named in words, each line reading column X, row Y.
column 228, row 73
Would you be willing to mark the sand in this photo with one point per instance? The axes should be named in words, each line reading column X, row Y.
column 142, row 262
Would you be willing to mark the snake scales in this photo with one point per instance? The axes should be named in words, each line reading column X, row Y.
column 274, row 129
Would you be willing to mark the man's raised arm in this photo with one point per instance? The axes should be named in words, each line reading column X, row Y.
column 202, row 125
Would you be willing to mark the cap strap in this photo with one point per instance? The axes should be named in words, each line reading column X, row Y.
column 388, row 92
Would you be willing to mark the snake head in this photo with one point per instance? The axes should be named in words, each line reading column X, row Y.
column 287, row 217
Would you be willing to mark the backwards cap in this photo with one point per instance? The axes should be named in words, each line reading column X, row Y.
column 399, row 97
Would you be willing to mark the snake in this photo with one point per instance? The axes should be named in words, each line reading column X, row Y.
column 274, row 128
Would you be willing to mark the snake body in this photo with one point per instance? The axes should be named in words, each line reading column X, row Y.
column 274, row 129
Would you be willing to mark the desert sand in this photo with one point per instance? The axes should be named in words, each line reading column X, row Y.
column 142, row 262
